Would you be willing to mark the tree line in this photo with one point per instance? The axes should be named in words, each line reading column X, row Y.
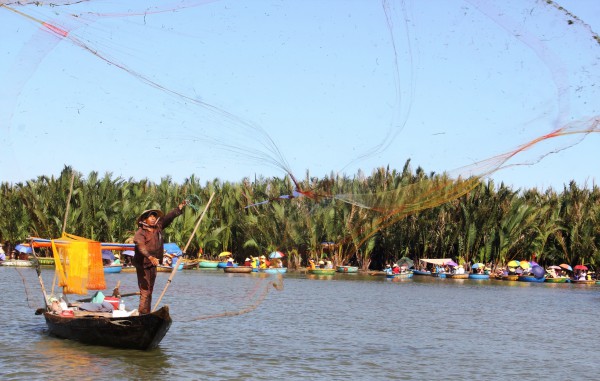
column 489, row 224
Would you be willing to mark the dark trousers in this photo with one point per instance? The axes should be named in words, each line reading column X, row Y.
column 146, row 278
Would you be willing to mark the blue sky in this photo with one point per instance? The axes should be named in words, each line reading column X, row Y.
column 338, row 86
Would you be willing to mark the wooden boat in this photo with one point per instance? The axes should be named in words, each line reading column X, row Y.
column 511, row 277
column 583, row 281
column 347, row 269
column 238, row 269
column 207, row 264
column 562, row 279
column 479, row 276
column 319, row 271
column 97, row 328
column 168, row 269
column 530, row 278
column 421, row 272
column 274, row 270
column 190, row 264
column 406, row 275
column 17, row 263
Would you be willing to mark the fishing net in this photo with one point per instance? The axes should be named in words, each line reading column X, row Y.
column 78, row 264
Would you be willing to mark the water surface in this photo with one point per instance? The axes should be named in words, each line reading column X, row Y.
column 340, row 327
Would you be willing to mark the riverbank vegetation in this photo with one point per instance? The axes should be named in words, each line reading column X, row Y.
column 490, row 224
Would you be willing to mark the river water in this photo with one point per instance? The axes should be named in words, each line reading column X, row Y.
column 340, row 327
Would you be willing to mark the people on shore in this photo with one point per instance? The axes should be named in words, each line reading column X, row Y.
column 149, row 250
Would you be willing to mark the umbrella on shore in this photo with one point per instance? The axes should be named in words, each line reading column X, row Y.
column 566, row 267
column 23, row 249
column 276, row 254
column 524, row 265
column 107, row 254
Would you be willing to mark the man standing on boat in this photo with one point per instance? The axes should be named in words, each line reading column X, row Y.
column 149, row 250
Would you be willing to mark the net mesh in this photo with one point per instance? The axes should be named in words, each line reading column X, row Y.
column 78, row 264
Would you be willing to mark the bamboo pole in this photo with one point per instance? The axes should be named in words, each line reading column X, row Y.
column 174, row 271
column 39, row 273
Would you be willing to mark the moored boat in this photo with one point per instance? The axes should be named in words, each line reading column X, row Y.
column 510, row 277
column 17, row 263
column 208, row 264
column 113, row 269
column 562, row 279
column 274, row 270
column 190, row 264
column 347, row 269
column 438, row 275
column 421, row 272
column 238, row 269
column 531, row 278
column 46, row 261
column 168, row 269
column 583, row 281
column 457, row 276
column 319, row 271
column 406, row 275
column 479, row 276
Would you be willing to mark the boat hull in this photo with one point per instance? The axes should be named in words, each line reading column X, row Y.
column 46, row 261
column 510, row 277
column 275, row 270
column 347, row 269
column 421, row 272
column 168, row 269
column 321, row 271
column 113, row 269
column 134, row 332
column 208, row 264
column 532, row 279
column 457, row 276
column 238, row 269
column 17, row 263
column 400, row 276
column 479, row 276
column 557, row 280
column 586, row 281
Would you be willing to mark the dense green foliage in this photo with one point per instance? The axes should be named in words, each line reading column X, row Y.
column 489, row 224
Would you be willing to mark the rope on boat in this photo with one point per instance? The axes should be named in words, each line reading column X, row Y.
column 277, row 284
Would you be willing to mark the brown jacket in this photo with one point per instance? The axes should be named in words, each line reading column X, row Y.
column 149, row 242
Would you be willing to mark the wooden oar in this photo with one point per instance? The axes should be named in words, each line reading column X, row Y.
column 176, row 267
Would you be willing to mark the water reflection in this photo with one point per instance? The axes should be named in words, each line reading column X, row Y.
column 331, row 327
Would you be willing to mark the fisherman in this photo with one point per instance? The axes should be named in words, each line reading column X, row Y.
column 149, row 250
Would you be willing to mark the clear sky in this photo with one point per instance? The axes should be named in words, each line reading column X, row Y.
column 337, row 86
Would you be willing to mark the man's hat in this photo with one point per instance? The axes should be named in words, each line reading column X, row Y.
column 146, row 213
